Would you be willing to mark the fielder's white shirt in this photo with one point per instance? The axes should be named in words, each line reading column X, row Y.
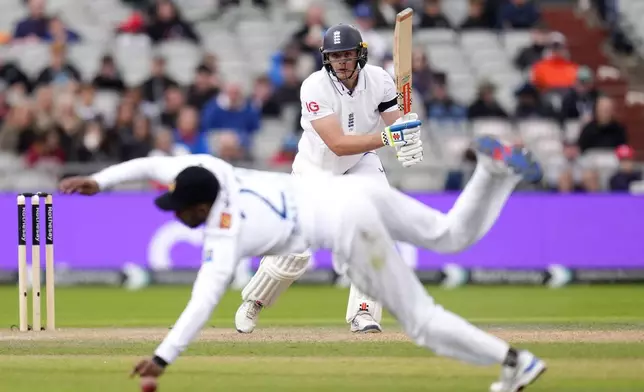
column 254, row 214
column 359, row 112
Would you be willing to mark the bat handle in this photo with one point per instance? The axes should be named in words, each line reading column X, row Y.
column 405, row 125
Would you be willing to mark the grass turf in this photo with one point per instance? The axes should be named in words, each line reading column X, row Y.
column 322, row 306
column 239, row 364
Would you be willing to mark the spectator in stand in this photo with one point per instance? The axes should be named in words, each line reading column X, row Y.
column 18, row 131
column 532, row 54
column 422, row 75
column 604, row 131
column 122, row 128
column 164, row 144
column 289, row 91
column 166, row 24
column 627, row 173
column 35, row 26
column 68, row 125
column 173, row 101
column 204, row 88
column 91, row 145
column 365, row 20
column 45, row 148
column 571, row 177
column 59, row 72
column 138, row 144
column 486, row 105
column 609, row 14
column 441, row 107
column 229, row 147
column 555, row 71
column 13, row 76
column 57, row 32
column 134, row 24
column 134, row 97
column 187, row 133
column 154, row 88
column 531, row 106
column 579, row 101
column 291, row 51
column 309, row 36
column 44, row 110
column 491, row 12
column 385, row 12
column 263, row 98
column 210, row 60
column 433, row 17
column 108, row 76
column 231, row 112
column 518, row 14
column 86, row 108
column 475, row 16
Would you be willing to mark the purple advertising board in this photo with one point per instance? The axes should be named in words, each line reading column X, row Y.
column 534, row 230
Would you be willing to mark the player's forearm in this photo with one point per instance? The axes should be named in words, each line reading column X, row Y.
column 356, row 144
column 133, row 170
column 208, row 290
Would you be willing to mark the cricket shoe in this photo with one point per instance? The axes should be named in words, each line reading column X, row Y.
column 516, row 158
column 247, row 316
column 363, row 322
column 515, row 379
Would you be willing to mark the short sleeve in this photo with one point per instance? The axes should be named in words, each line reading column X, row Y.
column 389, row 100
column 314, row 105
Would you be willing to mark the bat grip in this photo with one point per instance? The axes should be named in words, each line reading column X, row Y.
column 404, row 125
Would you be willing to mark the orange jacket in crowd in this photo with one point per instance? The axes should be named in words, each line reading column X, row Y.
column 554, row 72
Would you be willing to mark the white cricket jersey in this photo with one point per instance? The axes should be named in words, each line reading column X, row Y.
column 256, row 213
column 359, row 112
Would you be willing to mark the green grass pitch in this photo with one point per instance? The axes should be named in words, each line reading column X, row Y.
column 591, row 337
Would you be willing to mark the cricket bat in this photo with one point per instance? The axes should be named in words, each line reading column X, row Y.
column 402, row 58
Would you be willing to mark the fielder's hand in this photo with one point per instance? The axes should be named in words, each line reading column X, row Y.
column 405, row 131
column 147, row 368
column 82, row 185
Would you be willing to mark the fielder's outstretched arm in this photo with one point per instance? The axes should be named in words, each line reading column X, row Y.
column 219, row 261
column 162, row 169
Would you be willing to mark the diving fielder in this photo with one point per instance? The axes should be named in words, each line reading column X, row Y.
column 345, row 107
column 252, row 213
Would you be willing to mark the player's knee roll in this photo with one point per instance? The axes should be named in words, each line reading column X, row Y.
column 275, row 274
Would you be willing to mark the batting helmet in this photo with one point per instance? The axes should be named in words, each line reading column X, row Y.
column 340, row 38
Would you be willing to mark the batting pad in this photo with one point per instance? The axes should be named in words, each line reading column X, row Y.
column 275, row 274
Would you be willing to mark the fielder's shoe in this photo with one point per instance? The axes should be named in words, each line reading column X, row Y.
column 363, row 322
column 247, row 316
column 515, row 379
column 518, row 159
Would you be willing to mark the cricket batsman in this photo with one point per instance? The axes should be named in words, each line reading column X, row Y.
column 346, row 107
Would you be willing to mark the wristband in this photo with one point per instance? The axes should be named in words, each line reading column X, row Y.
column 159, row 361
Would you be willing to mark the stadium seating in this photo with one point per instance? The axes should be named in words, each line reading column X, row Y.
column 244, row 39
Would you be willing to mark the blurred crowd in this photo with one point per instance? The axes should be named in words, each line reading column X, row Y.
column 54, row 117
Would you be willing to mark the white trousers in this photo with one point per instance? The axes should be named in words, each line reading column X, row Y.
column 366, row 230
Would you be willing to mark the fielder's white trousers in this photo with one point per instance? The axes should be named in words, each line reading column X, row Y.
column 366, row 230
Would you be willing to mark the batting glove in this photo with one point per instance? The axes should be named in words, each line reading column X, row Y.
column 411, row 153
column 404, row 131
